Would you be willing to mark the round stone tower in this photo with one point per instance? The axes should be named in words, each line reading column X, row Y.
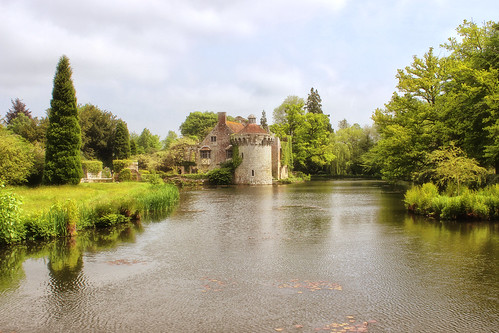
column 255, row 148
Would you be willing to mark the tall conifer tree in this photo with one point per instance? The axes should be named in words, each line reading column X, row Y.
column 62, row 156
column 121, row 141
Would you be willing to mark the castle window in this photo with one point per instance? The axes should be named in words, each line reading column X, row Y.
column 205, row 153
column 252, row 173
column 213, row 139
column 228, row 153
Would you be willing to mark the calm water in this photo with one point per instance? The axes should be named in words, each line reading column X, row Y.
column 320, row 256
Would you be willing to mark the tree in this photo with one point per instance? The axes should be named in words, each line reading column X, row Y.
column 32, row 129
column 311, row 149
column 18, row 107
column 133, row 147
column 62, row 157
column 290, row 115
column 97, row 130
column 314, row 102
column 453, row 168
column 410, row 125
column 147, row 142
column 263, row 121
column 170, row 138
column 198, row 124
column 280, row 114
column 16, row 158
column 473, row 93
column 121, row 141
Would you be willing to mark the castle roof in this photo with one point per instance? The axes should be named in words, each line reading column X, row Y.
column 235, row 127
column 252, row 128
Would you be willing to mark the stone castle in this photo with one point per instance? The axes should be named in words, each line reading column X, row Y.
column 260, row 151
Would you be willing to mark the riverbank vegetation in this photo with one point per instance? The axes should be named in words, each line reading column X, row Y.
column 441, row 126
column 482, row 204
column 60, row 211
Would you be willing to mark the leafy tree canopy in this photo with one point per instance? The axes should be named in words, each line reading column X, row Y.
column 97, row 129
column 198, row 124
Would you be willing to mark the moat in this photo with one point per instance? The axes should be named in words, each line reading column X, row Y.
column 326, row 256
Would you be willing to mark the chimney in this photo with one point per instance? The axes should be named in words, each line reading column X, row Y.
column 222, row 118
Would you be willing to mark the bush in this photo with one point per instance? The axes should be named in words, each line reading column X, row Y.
column 119, row 165
column 110, row 220
column 125, row 175
column 222, row 176
column 482, row 204
column 92, row 166
column 11, row 227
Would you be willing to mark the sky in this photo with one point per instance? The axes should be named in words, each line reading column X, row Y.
column 152, row 62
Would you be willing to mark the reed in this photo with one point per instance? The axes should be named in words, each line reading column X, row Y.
column 59, row 211
column 480, row 204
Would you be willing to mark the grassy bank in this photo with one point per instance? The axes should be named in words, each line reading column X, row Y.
column 58, row 211
column 480, row 204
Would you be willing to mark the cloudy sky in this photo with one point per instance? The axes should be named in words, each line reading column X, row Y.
column 152, row 62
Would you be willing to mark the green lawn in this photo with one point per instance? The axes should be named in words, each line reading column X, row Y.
column 88, row 194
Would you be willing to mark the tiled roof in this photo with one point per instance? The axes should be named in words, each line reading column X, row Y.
column 253, row 128
column 235, row 127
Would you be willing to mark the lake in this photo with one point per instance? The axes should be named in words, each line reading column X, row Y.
column 328, row 256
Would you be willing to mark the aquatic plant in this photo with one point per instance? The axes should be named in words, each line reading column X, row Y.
column 476, row 204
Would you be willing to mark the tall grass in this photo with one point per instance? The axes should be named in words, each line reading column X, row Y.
column 159, row 200
column 60, row 211
column 480, row 204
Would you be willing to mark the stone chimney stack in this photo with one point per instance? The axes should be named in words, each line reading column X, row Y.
column 222, row 118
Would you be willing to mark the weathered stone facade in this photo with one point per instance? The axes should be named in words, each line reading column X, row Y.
column 255, row 148
column 260, row 150
column 216, row 148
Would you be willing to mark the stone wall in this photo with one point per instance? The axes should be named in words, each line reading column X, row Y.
column 256, row 165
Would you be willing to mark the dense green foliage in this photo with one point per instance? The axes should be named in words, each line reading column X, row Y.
column 11, row 228
column 62, row 156
column 350, row 144
column 220, row 176
column 65, row 216
column 121, row 141
column 309, row 133
column 92, row 166
column 18, row 108
column 119, row 165
column 97, row 128
column 31, row 129
column 146, row 142
column 442, row 102
column 198, row 124
column 16, row 158
column 480, row 204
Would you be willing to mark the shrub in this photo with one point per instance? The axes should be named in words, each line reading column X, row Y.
column 125, row 175
column 92, row 166
column 119, row 165
column 11, row 227
column 222, row 176
column 110, row 220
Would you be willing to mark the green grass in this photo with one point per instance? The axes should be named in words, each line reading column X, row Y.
column 481, row 204
column 59, row 211
column 88, row 194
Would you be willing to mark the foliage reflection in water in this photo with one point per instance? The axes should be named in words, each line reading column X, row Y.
column 321, row 256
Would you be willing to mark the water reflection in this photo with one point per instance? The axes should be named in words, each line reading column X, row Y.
column 255, row 259
column 65, row 256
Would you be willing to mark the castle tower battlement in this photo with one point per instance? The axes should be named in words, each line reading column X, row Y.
column 255, row 147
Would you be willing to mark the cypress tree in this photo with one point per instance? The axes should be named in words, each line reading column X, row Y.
column 62, row 156
column 121, row 141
